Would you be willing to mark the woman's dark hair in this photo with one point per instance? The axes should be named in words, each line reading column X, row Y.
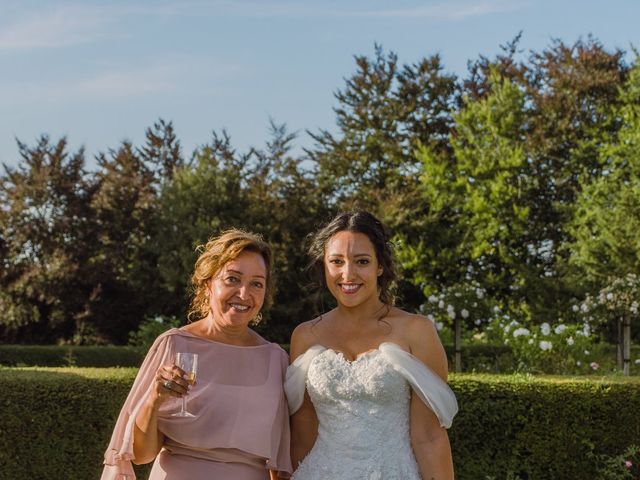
column 359, row 221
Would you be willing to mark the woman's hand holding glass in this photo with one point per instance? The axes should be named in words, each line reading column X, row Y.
column 175, row 380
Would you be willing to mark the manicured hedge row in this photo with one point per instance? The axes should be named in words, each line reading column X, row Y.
column 493, row 358
column 56, row 423
column 68, row 356
column 541, row 427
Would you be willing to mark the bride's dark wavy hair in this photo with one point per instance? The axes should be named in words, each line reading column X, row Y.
column 358, row 221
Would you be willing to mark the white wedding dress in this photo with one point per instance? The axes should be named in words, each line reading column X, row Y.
column 363, row 411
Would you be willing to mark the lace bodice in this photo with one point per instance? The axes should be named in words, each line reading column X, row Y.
column 363, row 411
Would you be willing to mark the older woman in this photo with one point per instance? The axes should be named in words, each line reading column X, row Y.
column 239, row 428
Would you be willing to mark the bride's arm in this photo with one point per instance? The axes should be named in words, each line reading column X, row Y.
column 429, row 440
column 304, row 422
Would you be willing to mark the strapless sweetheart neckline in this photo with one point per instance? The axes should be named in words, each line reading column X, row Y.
column 372, row 351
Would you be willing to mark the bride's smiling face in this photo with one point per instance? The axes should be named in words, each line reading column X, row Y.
column 351, row 268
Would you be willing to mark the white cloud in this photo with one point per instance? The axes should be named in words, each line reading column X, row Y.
column 168, row 75
column 452, row 10
column 449, row 10
column 60, row 27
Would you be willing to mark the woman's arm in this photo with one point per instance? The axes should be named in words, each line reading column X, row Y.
column 429, row 440
column 147, row 439
column 304, row 422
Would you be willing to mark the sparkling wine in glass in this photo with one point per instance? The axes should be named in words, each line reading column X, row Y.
column 189, row 363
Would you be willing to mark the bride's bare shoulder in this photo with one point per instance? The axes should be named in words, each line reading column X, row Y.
column 304, row 336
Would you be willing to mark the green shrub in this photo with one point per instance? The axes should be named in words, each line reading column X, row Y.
column 494, row 358
column 541, row 427
column 142, row 339
column 56, row 423
column 68, row 356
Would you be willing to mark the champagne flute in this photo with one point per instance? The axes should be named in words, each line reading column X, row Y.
column 189, row 363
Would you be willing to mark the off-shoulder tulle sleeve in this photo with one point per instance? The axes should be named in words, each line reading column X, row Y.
column 117, row 458
column 296, row 378
column 431, row 389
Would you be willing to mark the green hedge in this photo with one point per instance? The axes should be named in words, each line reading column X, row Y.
column 541, row 427
column 68, row 356
column 56, row 423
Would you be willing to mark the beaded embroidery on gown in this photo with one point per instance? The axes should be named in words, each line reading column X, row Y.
column 363, row 411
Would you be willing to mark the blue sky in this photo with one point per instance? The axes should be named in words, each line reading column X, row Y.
column 101, row 72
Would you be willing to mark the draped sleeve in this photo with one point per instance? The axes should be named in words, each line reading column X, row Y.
column 117, row 458
column 296, row 377
column 429, row 387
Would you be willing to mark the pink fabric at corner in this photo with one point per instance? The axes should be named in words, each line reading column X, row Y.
column 241, row 413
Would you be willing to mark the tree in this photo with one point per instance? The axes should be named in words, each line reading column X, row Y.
column 606, row 221
column 124, row 278
column 384, row 112
column 476, row 195
column 285, row 205
column 45, row 227
column 202, row 198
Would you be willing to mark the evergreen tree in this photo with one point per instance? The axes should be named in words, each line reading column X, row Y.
column 45, row 227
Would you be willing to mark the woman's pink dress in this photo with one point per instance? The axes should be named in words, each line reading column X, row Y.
column 241, row 426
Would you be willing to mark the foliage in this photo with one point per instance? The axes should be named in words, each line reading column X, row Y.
column 507, row 425
column 142, row 339
column 45, row 239
column 625, row 466
column 563, row 348
column 68, row 356
column 519, row 179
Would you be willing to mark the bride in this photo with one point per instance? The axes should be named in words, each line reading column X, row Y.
column 367, row 387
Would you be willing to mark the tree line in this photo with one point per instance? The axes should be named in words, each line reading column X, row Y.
column 521, row 178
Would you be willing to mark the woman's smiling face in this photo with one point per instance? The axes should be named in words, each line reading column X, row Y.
column 237, row 292
column 351, row 268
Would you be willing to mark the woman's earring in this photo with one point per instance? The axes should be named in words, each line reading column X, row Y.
column 257, row 319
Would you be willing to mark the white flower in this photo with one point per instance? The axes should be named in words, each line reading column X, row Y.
column 531, row 341
column 479, row 293
column 433, row 298
column 545, row 329
column 560, row 329
column 544, row 345
column 586, row 330
column 578, row 363
column 586, row 352
column 452, row 314
column 634, row 308
column 609, row 296
column 585, row 308
column 575, row 308
column 439, row 326
column 570, row 341
column 521, row 332
column 430, row 317
column 464, row 313
column 477, row 321
column 496, row 309
column 637, row 362
column 441, row 304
